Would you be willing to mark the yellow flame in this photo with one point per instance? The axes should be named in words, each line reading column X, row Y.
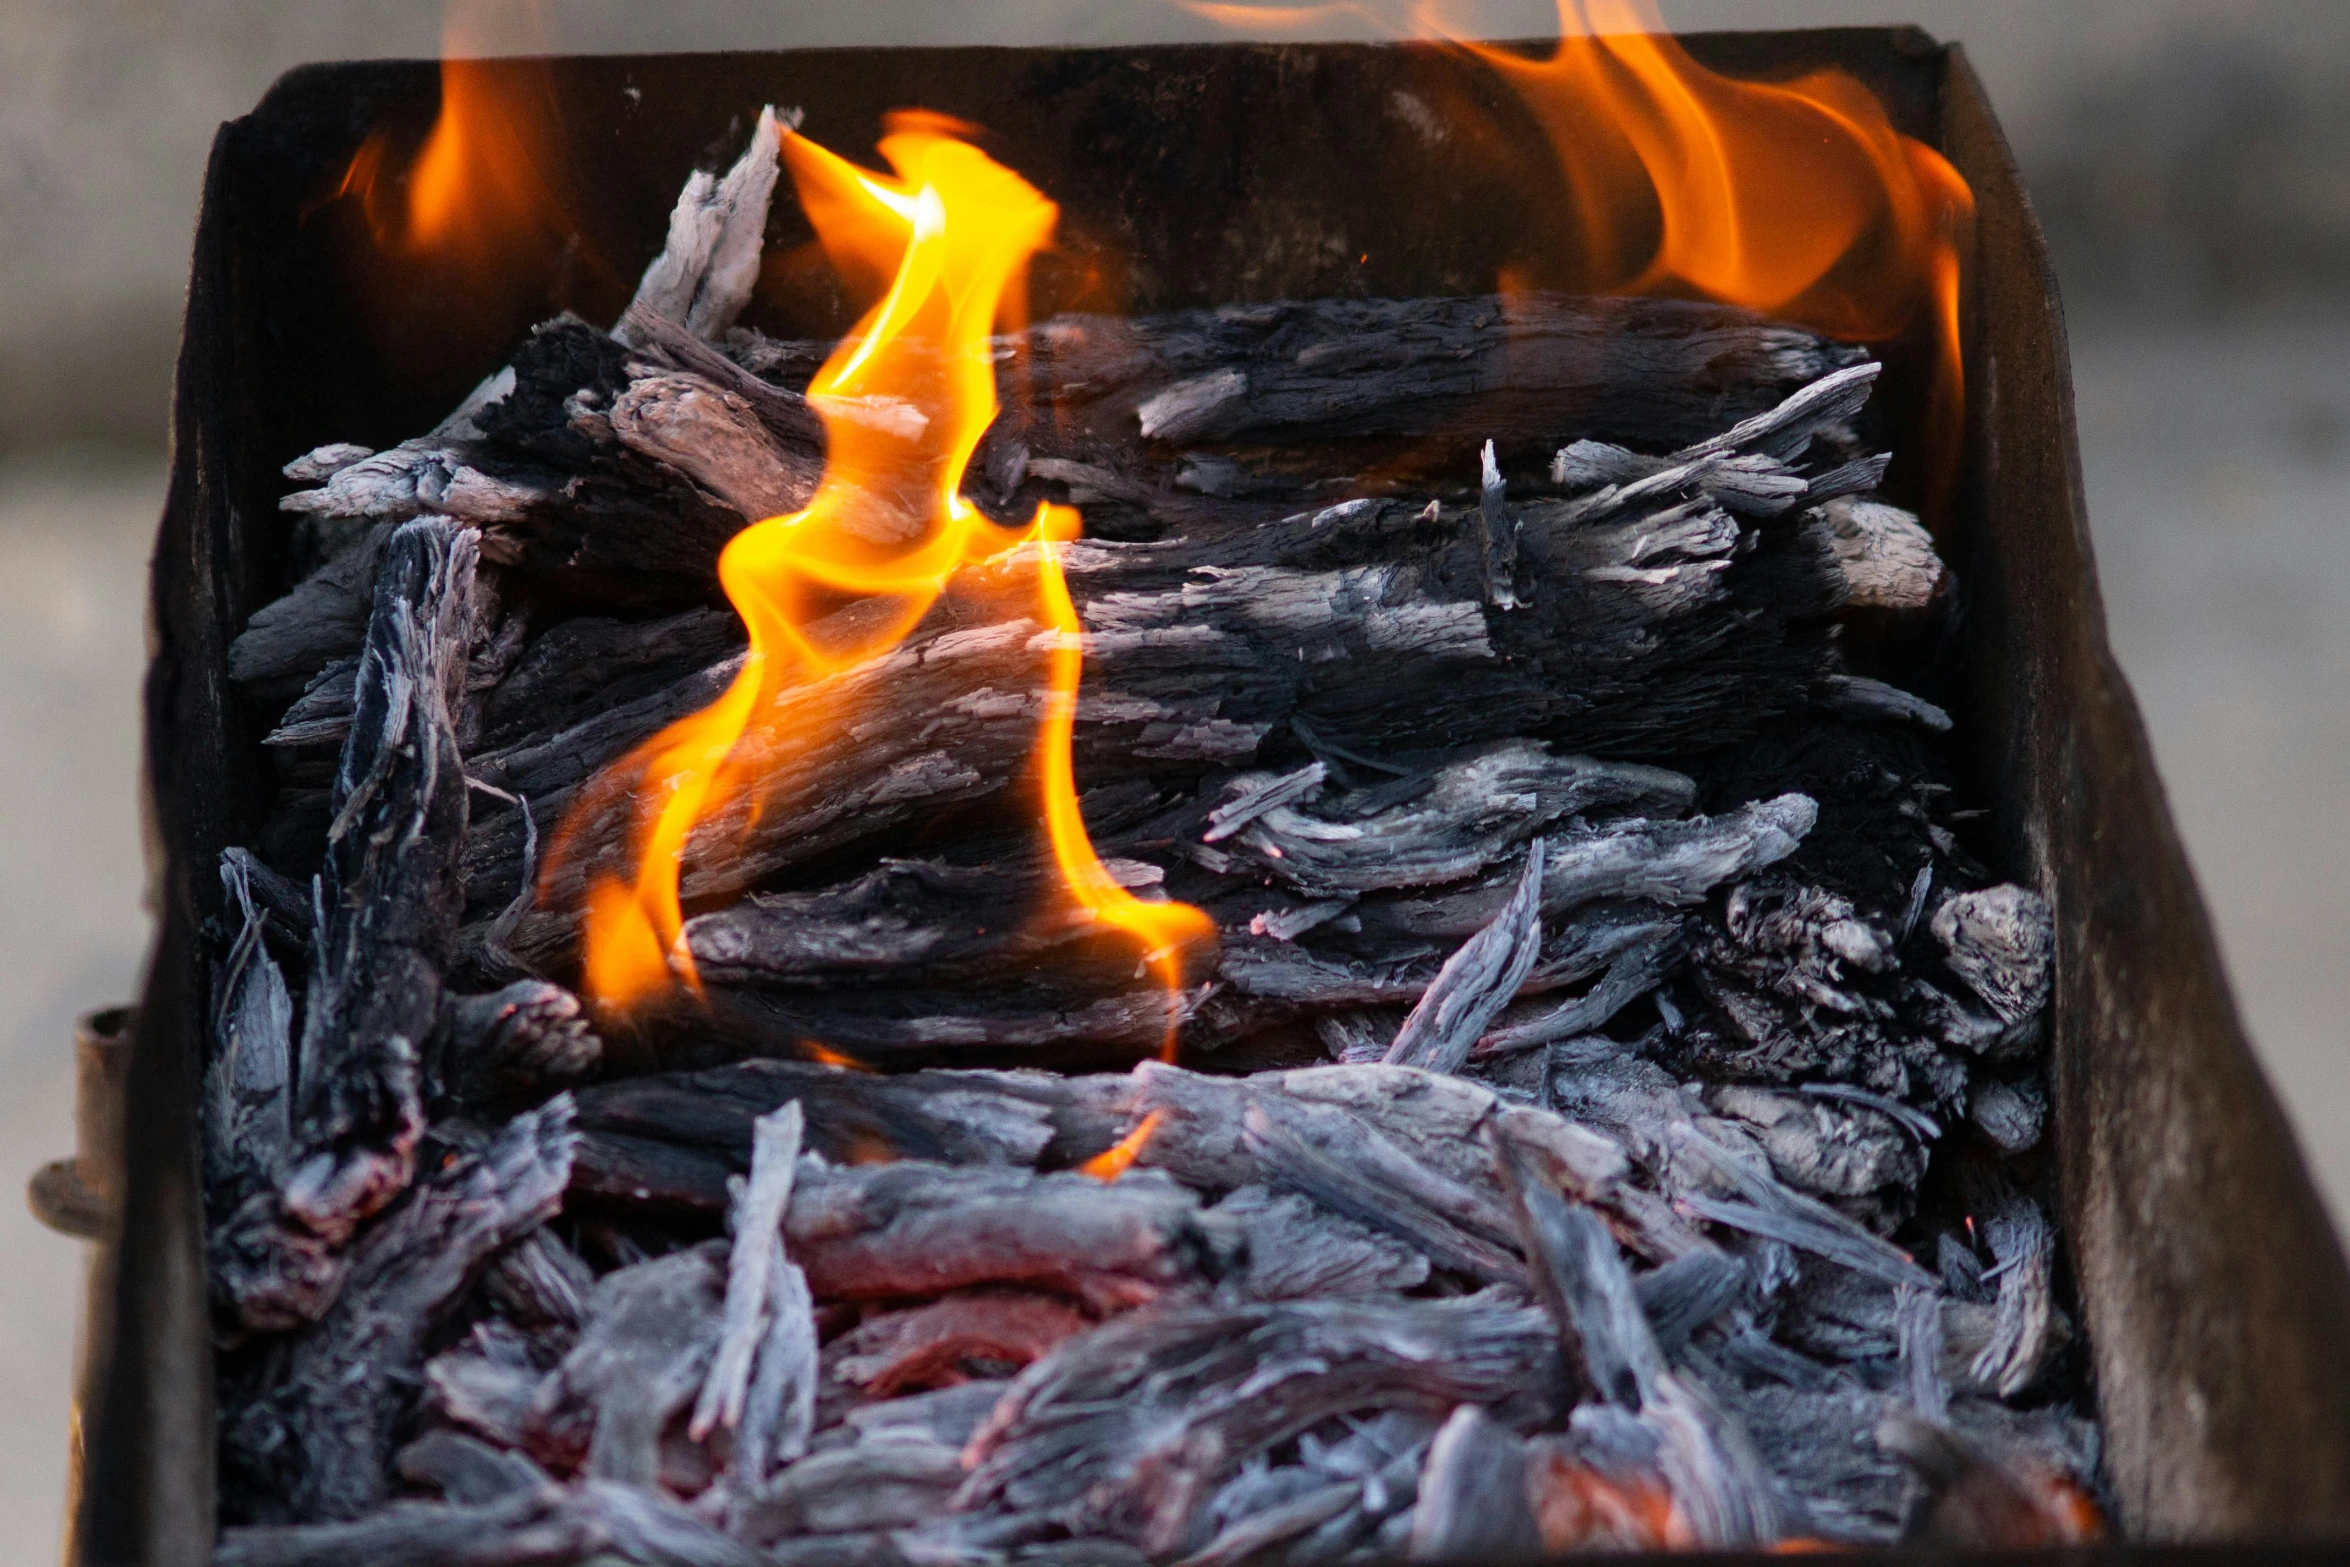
column 1119, row 1157
column 888, row 525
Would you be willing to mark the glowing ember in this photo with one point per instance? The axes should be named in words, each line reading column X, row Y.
column 1119, row 1157
column 905, row 399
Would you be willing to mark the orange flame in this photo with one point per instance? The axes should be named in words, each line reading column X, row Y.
column 480, row 187
column 1796, row 199
column 904, row 398
column 1119, row 1157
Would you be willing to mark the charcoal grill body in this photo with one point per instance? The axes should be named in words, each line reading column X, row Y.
column 2216, row 1300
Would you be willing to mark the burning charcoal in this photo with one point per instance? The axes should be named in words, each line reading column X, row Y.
column 928, row 1346
column 705, row 272
column 322, row 1425
column 1125, row 1431
column 1974, row 1501
column 1472, row 1502
column 946, row 1415
column 911, row 1228
column 1477, row 981
column 523, row 1041
column 651, row 1334
column 1762, row 1206
column 1299, row 1250
column 516, row 1531
column 1599, row 1486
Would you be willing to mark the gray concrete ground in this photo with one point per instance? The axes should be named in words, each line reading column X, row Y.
column 2190, row 158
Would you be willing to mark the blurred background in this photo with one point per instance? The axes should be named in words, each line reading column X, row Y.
column 2191, row 159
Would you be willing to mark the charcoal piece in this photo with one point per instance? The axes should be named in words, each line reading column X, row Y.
column 1275, row 972
column 248, row 1082
column 1638, row 969
column 1760, row 1205
column 1824, row 1146
column 1477, row 981
column 2028, row 1328
column 1598, row 1486
column 2012, row 1115
column 928, row 1346
column 540, row 1283
column 1975, row 1500
column 905, row 922
column 1868, row 701
column 1447, row 827
column 1257, row 796
column 322, row 621
column 1472, row 1499
column 523, row 1530
column 757, row 1224
column 321, row 1428
column 1253, row 1537
column 321, row 715
column 1348, row 1169
column 1497, row 533
column 467, row 1469
column 1298, row 1250
column 524, row 1041
column 710, row 262
column 387, row 908
column 487, row 1385
column 651, row 1333
column 1888, row 557
column 883, row 1481
column 946, row 1415
column 780, row 1411
column 1581, row 1280
column 1917, row 1316
column 950, row 1117
column 1721, row 1484
column 913, row 1228
column 650, row 1177
column 1675, row 863
column 715, row 438
column 1685, row 1294
column 1817, row 1442
column 2001, row 941
column 1125, row 1431
column 590, row 665
column 1528, row 369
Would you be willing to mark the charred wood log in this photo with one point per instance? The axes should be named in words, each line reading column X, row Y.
column 321, row 1427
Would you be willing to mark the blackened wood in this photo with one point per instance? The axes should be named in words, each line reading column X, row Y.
column 652, row 1330
column 1300, row 1250
column 323, row 1424
column 247, row 1122
column 926, row 1346
column 589, row 664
